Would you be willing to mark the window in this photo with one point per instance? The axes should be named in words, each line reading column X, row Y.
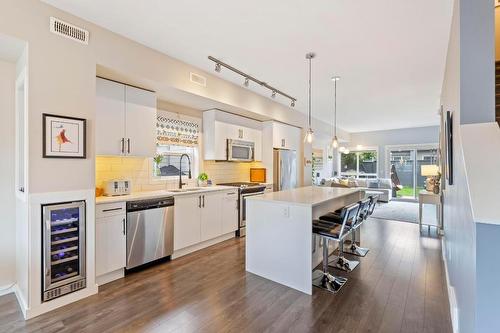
column 359, row 164
column 176, row 135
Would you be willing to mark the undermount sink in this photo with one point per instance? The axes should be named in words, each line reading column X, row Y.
column 186, row 189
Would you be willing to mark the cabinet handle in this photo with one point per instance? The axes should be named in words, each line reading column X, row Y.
column 123, row 226
column 111, row 209
column 199, row 201
column 128, row 146
column 203, row 201
column 282, row 142
column 240, row 134
column 123, row 145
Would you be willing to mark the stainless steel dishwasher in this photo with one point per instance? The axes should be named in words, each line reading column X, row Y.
column 150, row 230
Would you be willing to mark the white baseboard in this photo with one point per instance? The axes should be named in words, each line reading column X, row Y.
column 4, row 290
column 451, row 291
column 22, row 302
column 202, row 245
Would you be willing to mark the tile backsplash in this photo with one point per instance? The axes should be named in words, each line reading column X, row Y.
column 224, row 172
column 138, row 170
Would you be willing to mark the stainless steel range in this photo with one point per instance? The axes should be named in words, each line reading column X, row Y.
column 245, row 190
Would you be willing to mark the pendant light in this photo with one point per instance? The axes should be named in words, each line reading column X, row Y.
column 335, row 141
column 310, row 133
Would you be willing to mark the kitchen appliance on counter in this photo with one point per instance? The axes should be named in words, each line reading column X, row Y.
column 117, row 187
column 63, row 241
column 150, row 230
column 240, row 151
column 284, row 169
column 245, row 190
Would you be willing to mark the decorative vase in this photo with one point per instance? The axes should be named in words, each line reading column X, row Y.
column 202, row 183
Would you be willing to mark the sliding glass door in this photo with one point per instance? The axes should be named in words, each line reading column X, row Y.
column 404, row 168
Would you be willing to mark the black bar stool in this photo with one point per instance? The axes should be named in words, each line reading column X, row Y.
column 340, row 261
column 364, row 208
column 336, row 232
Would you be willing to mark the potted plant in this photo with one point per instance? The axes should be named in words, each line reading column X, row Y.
column 157, row 159
column 202, row 179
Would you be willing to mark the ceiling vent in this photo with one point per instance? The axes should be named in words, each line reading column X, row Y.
column 198, row 79
column 68, row 30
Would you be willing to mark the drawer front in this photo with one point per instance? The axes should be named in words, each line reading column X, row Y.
column 110, row 209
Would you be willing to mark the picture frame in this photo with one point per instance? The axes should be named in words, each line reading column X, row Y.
column 449, row 146
column 64, row 137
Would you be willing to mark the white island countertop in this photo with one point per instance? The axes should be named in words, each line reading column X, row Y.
column 306, row 196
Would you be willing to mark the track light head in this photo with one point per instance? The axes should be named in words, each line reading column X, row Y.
column 273, row 94
column 217, row 67
column 247, row 82
column 292, row 103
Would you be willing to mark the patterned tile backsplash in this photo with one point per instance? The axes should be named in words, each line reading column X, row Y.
column 138, row 170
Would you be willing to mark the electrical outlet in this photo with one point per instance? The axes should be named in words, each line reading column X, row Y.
column 286, row 212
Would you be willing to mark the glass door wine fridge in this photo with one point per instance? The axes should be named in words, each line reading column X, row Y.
column 63, row 249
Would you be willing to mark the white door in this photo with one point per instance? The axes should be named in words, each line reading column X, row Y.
column 187, row 221
column 229, row 212
column 211, row 217
column 110, row 117
column 140, row 122
column 111, row 244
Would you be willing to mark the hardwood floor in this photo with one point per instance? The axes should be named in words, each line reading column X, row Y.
column 398, row 287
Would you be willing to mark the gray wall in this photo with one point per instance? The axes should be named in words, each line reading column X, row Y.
column 403, row 136
column 467, row 91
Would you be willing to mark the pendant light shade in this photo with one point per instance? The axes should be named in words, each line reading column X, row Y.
column 335, row 141
column 310, row 133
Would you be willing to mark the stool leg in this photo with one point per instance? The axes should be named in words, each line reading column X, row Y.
column 354, row 249
column 340, row 262
column 323, row 279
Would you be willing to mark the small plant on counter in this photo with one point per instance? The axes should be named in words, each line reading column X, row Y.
column 202, row 179
column 157, row 159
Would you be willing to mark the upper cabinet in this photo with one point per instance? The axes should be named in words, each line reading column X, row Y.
column 284, row 136
column 218, row 126
column 125, row 120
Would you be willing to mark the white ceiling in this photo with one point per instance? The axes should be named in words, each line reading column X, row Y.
column 390, row 53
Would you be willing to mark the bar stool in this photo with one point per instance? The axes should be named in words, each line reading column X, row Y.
column 340, row 261
column 364, row 208
column 336, row 232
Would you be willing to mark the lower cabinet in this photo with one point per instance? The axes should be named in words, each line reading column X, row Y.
column 111, row 242
column 201, row 217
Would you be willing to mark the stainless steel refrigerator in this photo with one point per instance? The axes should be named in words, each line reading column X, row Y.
column 284, row 169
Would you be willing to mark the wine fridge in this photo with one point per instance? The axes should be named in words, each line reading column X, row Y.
column 63, row 249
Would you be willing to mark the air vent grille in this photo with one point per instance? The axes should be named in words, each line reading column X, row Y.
column 68, row 30
column 198, row 79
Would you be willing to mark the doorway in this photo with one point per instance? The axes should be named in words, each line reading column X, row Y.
column 404, row 164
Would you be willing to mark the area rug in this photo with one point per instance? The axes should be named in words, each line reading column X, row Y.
column 404, row 211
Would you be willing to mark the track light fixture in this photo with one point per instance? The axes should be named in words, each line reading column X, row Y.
column 219, row 64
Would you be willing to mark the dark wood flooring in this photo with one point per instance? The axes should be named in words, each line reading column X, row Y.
column 398, row 287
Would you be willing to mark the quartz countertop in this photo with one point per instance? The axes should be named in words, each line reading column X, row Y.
column 160, row 193
column 308, row 196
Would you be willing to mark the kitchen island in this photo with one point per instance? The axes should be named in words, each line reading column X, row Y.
column 279, row 244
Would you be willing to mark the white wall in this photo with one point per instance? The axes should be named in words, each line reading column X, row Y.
column 403, row 136
column 7, row 195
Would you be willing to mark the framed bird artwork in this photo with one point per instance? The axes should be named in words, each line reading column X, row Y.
column 64, row 137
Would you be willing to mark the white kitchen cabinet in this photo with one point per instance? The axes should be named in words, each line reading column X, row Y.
column 125, row 120
column 285, row 136
column 187, row 223
column 219, row 126
column 230, row 212
column 211, row 217
column 111, row 241
column 204, row 216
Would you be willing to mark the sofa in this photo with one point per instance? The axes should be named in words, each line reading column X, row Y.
column 382, row 185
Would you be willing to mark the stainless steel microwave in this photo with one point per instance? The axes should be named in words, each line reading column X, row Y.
column 240, row 151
